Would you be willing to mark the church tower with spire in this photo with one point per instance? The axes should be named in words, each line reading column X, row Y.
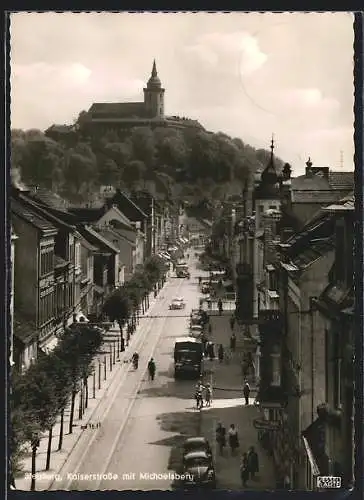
column 154, row 95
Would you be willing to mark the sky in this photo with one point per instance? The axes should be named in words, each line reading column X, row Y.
column 245, row 74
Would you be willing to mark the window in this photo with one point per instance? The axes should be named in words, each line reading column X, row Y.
column 272, row 280
column 272, row 207
column 276, row 369
column 46, row 260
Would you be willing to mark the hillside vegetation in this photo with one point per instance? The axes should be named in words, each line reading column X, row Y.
column 178, row 163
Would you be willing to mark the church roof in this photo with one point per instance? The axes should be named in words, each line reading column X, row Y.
column 117, row 109
column 154, row 80
column 269, row 181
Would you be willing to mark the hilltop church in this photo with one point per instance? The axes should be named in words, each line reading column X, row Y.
column 150, row 112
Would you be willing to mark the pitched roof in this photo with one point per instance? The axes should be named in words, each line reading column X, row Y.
column 314, row 251
column 336, row 180
column 341, row 180
column 318, row 196
column 320, row 228
column 25, row 213
column 117, row 109
column 345, row 204
column 87, row 214
column 132, row 211
column 46, row 197
column 98, row 240
column 145, row 201
column 44, row 211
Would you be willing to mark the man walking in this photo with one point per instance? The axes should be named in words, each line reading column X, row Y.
column 219, row 305
column 151, row 369
column 233, row 342
column 253, row 462
column 221, row 437
column 233, row 439
column 232, row 322
column 246, row 392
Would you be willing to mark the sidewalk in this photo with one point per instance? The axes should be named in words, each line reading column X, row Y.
column 228, row 407
column 108, row 379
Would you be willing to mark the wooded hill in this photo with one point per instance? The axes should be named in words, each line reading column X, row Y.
column 178, row 163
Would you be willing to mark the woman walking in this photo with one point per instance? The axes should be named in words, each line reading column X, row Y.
column 233, row 439
column 208, row 395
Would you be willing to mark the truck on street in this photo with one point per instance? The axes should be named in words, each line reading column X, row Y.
column 188, row 357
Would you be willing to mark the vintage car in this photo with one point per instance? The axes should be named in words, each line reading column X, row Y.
column 177, row 303
column 196, row 331
column 198, row 470
column 197, row 443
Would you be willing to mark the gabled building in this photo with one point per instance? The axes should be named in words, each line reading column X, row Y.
column 329, row 438
column 306, row 263
column 317, row 188
column 34, row 290
column 107, row 274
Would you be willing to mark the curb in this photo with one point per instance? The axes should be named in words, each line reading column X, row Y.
column 105, row 396
column 103, row 399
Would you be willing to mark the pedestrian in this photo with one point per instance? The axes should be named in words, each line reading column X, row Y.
column 220, row 353
column 221, row 437
column 233, row 342
column 199, row 396
column 246, row 392
column 244, row 469
column 208, row 395
column 253, row 462
column 151, row 369
column 211, row 351
column 219, row 305
column 287, row 482
column 233, row 439
column 122, row 344
column 199, row 280
column 232, row 322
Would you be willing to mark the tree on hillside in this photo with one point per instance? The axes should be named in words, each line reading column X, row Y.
column 109, row 172
column 143, row 145
column 134, row 172
column 120, row 152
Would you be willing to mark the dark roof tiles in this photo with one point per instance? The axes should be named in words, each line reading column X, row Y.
column 31, row 217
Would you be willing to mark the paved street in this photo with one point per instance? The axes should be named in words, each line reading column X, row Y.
column 146, row 421
column 228, row 408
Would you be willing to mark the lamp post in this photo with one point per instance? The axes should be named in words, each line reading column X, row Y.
column 35, row 442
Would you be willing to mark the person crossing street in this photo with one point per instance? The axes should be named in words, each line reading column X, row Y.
column 246, row 392
column 151, row 369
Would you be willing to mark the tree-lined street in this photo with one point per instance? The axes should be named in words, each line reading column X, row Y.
column 146, row 421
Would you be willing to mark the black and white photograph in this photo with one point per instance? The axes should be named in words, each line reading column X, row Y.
column 182, row 299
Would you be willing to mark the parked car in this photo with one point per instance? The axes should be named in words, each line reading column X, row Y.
column 177, row 303
column 199, row 470
column 198, row 443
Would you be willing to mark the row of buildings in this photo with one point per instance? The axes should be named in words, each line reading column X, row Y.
column 291, row 245
column 65, row 261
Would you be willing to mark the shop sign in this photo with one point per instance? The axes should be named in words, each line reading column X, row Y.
column 266, row 424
